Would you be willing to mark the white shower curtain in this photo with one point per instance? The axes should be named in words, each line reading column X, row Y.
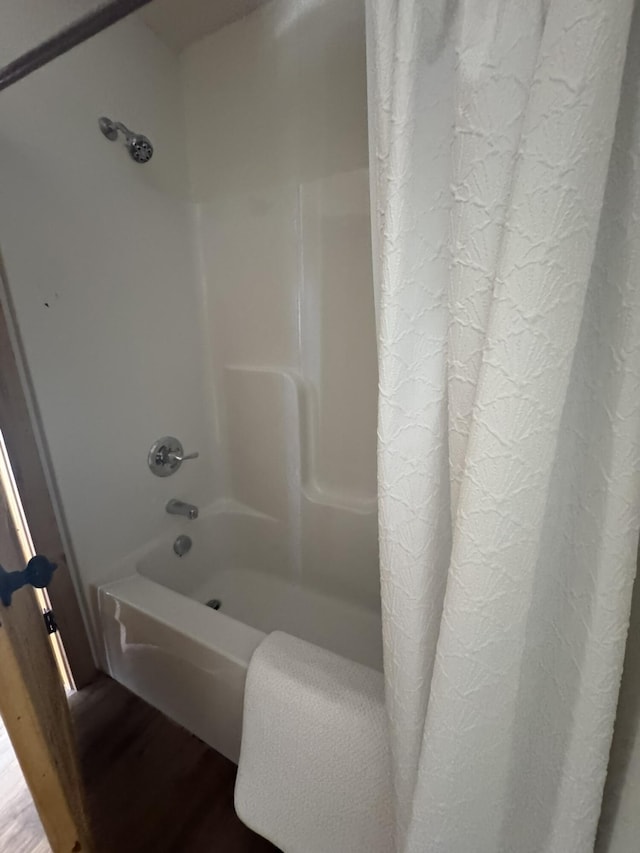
column 505, row 160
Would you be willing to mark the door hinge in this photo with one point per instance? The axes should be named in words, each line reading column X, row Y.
column 50, row 621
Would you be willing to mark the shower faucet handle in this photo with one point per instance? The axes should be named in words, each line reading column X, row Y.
column 167, row 455
column 181, row 459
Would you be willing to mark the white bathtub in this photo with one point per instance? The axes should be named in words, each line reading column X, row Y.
column 190, row 661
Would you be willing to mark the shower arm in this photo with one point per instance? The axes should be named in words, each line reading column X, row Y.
column 110, row 129
column 123, row 129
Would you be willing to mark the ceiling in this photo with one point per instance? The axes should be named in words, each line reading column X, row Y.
column 181, row 22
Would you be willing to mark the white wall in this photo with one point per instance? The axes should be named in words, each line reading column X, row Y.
column 102, row 274
column 277, row 148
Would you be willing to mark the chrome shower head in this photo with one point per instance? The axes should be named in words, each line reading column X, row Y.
column 138, row 146
column 140, row 149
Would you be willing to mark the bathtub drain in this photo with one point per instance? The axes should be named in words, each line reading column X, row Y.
column 214, row 603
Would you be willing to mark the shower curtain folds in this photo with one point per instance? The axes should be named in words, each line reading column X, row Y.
column 505, row 142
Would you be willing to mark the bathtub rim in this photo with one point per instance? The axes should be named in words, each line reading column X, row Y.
column 193, row 619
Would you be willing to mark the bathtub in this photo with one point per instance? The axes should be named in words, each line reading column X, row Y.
column 164, row 643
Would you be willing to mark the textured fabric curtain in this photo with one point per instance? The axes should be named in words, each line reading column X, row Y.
column 505, row 162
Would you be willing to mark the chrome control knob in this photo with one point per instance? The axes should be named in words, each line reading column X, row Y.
column 167, row 455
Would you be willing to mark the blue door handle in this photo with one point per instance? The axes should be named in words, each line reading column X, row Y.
column 38, row 573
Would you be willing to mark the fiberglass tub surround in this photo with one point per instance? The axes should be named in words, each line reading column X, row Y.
column 276, row 138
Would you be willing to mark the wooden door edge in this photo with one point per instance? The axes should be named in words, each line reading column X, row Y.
column 65, row 823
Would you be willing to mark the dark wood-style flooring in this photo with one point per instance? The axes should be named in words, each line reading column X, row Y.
column 151, row 786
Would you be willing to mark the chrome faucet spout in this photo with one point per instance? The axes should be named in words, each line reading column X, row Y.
column 176, row 507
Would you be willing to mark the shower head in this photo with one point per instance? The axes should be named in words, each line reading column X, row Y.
column 138, row 146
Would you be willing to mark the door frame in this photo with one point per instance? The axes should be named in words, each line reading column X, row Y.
column 31, row 464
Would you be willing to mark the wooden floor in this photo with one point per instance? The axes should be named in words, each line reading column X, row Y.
column 151, row 786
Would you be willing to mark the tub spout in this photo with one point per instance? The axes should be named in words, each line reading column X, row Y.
column 176, row 507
